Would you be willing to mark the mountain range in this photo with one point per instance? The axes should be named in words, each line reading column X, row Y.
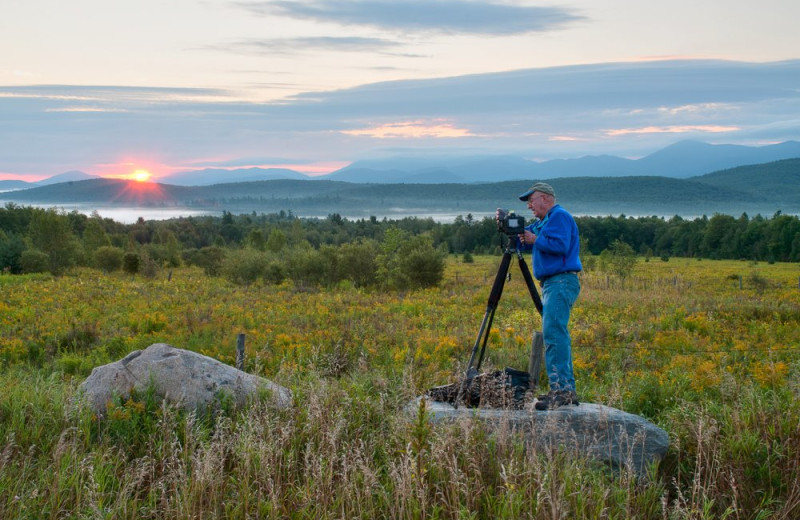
column 754, row 189
column 681, row 160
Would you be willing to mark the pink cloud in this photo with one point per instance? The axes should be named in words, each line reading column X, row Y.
column 412, row 130
column 677, row 129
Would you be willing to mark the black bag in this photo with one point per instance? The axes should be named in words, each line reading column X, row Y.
column 499, row 389
column 518, row 381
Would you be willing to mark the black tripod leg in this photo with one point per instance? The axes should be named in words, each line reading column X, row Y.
column 486, row 324
column 499, row 281
column 537, row 300
column 485, row 341
column 494, row 299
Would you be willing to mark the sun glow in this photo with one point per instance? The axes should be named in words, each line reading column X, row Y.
column 141, row 176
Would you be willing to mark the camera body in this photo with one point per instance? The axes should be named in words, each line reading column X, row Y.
column 509, row 222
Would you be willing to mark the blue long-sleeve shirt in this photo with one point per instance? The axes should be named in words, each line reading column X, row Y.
column 557, row 245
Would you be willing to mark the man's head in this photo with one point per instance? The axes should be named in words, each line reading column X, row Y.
column 540, row 198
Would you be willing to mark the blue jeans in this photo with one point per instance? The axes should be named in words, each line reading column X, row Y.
column 559, row 293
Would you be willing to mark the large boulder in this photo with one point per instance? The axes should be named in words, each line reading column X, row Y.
column 621, row 439
column 181, row 377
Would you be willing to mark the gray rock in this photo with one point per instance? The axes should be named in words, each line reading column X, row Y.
column 187, row 379
column 618, row 438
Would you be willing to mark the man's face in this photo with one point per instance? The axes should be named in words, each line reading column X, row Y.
column 537, row 205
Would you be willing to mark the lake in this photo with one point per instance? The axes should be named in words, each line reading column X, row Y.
column 131, row 215
column 126, row 215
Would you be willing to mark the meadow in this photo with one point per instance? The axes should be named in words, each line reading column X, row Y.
column 707, row 350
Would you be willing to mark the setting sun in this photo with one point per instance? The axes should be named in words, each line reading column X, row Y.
column 141, row 175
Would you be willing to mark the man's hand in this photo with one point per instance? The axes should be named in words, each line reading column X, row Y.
column 527, row 237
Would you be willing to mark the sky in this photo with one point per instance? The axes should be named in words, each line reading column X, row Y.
column 121, row 88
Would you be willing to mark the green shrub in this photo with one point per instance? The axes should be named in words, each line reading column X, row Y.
column 164, row 255
column 210, row 258
column 305, row 265
column 34, row 261
column 619, row 259
column 329, row 265
column 358, row 262
column 148, row 266
column 50, row 232
column 244, row 266
column 409, row 262
column 422, row 265
column 275, row 272
column 11, row 248
column 108, row 258
column 131, row 262
column 276, row 241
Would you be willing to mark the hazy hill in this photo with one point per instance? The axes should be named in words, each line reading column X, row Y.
column 778, row 180
column 55, row 179
column 435, row 170
column 118, row 192
column 99, row 191
column 211, row 176
column 763, row 189
column 692, row 158
column 680, row 160
column 14, row 185
column 70, row 176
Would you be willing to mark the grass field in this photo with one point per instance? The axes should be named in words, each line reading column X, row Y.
column 707, row 350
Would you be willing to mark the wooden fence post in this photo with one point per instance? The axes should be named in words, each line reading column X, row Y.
column 537, row 356
column 240, row 352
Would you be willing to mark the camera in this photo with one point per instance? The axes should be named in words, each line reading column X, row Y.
column 509, row 223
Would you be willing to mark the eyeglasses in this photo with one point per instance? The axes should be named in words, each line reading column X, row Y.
column 533, row 199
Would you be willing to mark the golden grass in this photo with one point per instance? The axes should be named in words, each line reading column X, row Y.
column 711, row 359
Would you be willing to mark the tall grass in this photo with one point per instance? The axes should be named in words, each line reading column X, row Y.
column 715, row 365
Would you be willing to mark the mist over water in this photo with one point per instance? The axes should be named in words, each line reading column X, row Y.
column 131, row 215
column 126, row 215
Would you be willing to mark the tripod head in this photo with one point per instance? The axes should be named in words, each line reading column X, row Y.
column 512, row 244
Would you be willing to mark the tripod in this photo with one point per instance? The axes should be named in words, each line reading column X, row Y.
column 479, row 349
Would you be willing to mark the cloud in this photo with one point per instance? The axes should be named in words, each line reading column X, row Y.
column 424, row 16
column 84, row 109
column 627, row 109
column 35, row 93
column 565, row 138
column 298, row 45
column 61, row 95
column 246, row 161
column 678, row 129
column 413, row 130
column 696, row 109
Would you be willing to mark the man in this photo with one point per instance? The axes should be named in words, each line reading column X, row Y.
column 555, row 242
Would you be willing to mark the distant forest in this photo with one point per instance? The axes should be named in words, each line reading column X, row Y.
column 54, row 240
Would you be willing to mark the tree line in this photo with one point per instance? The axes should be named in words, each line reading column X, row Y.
column 403, row 253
